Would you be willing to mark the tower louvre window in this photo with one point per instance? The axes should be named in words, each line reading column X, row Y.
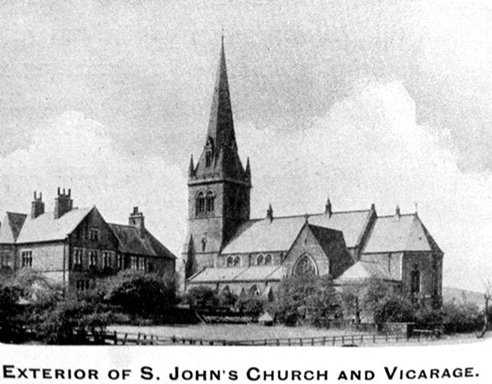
column 210, row 202
column 200, row 204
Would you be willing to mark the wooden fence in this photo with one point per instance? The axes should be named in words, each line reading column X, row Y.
column 126, row 338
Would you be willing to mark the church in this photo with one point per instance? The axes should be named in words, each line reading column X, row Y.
column 230, row 252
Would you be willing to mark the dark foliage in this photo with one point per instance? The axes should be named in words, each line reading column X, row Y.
column 201, row 297
column 140, row 294
column 250, row 305
column 310, row 300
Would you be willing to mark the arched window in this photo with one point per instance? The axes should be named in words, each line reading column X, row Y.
column 200, row 204
column 268, row 259
column 254, row 291
column 230, row 261
column 226, row 291
column 260, row 260
column 210, row 200
column 305, row 267
column 237, row 261
column 415, row 281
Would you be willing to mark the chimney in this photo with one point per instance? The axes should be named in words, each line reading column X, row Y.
column 137, row 220
column 63, row 203
column 269, row 214
column 37, row 205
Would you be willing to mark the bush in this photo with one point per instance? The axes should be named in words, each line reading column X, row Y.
column 69, row 322
column 309, row 300
column 394, row 309
column 141, row 294
column 10, row 314
column 251, row 305
column 462, row 318
column 201, row 297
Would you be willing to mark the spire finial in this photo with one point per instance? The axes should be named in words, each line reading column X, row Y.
column 328, row 209
column 270, row 212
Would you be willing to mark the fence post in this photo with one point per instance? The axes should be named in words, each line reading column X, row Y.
column 361, row 338
column 300, row 341
column 386, row 337
column 124, row 339
column 324, row 340
column 115, row 338
column 343, row 340
column 278, row 341
column 333, row 340
column 374, row 338
column 138, row 338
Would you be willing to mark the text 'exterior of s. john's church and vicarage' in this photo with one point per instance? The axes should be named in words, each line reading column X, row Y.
column 230, row 252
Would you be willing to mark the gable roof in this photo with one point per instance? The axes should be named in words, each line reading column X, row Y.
column 46, row 228
column 325, row 236
column 263, row 235
column 397, row 234
column 11, row 227
column 130, row 241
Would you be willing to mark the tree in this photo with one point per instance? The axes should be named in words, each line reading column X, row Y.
column 142, row 294
column 487, row 296
column 201, row 297
column 10, row 311
column 305, row 299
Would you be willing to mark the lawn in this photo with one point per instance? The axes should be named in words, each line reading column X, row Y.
column 229, row 331
column 256, row 332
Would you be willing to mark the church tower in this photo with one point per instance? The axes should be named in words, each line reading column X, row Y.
column 218, row 185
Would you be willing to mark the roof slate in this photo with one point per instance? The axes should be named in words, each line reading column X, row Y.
column 396, row 234
column 263, row 235
column 131, row 242
column 364, row 270
column 235, row 274
column 46, row 228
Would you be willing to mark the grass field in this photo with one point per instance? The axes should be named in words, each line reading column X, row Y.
column 256, row 331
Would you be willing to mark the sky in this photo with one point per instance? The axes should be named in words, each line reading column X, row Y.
column 385, row 102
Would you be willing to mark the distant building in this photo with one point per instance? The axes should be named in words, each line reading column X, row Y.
column 76, row 246
column 228, row 251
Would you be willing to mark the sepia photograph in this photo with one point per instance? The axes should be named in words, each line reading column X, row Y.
column 252, row 173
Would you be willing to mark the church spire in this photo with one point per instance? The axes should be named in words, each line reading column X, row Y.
column 221, row 125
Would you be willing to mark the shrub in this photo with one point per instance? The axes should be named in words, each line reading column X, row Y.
column 394, row 309
column 10, row 314
column 201, row 297
column 69, row 321
column 250, row 305
column 305, row 299
column 461, row 318
column 141, row 294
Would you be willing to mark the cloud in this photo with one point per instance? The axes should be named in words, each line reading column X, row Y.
column 369, row 149
column 146, row 72
column 75, row 152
